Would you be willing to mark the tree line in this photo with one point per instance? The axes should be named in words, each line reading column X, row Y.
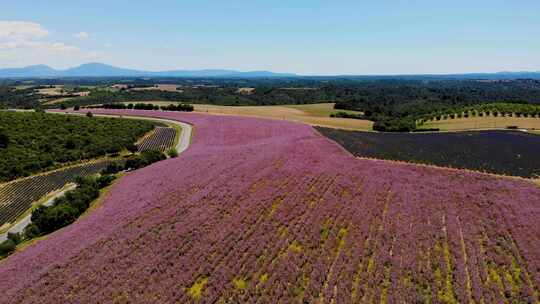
column 143, row 106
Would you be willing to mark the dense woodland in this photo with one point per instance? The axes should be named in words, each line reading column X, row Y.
column 393, row 104
column 15, row 98
column 33, row 142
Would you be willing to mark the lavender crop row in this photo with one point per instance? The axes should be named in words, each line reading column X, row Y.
column 262, row 211
column 161, row 139
column 16, row 197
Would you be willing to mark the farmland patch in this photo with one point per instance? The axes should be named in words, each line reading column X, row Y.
column 502, row 152
column 204, row 228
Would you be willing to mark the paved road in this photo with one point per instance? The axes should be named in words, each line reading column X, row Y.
column 181, row 146
column 185, row 135
column 19, row 227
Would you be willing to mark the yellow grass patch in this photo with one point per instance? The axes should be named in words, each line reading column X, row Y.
column 312, row 114
column 486, row 122
column 263, row 278
column 240, row 283
column 55, row 90
column 195, row 291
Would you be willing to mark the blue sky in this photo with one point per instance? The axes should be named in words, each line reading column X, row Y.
column 305, row 37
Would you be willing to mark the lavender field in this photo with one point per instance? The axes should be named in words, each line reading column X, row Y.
column 264, row 211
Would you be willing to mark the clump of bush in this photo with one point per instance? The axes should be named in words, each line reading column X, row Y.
column 144, row 159
column 394, row 124
column 66, row 209
column 172, row 153
column 342, row 114
column 9, row 245
column 179, row 107
column 145, row 106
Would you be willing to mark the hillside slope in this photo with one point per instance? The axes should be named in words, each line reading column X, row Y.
column 272, row 210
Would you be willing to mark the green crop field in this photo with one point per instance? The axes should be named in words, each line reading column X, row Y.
column 34, row 142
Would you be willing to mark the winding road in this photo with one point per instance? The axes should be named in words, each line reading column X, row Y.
column 182, row 145
column 21, row 224
column 185, row 135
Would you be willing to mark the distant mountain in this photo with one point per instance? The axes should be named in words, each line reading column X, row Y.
column 104, row 70
column 34, row 70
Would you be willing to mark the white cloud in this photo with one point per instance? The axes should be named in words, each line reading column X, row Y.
column 82, row 35
column 22, row 30
column 25, row 43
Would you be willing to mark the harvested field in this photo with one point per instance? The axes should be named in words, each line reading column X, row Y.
column 266, row 211
column 486, row 122
column 54, row 91
column 246, row 90
column 312, row 114
column 501, row 152
column 160, row 87
column 320, row 109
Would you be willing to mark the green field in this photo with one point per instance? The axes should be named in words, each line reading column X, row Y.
column 34, row 142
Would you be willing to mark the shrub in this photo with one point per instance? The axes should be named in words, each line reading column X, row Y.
column 76, row 108
column 105, row 180
column 179, row 107
column 4, row 140
column 144, row 159
column 342, row 114
column 112, row 168
column 132, row 148
column 394, row 125
column 15, row 237
column 89, row 114
column 7, row 246
column 31, row 231
column 172, row 153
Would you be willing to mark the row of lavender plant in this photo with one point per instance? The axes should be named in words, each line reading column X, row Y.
column 263, row 211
